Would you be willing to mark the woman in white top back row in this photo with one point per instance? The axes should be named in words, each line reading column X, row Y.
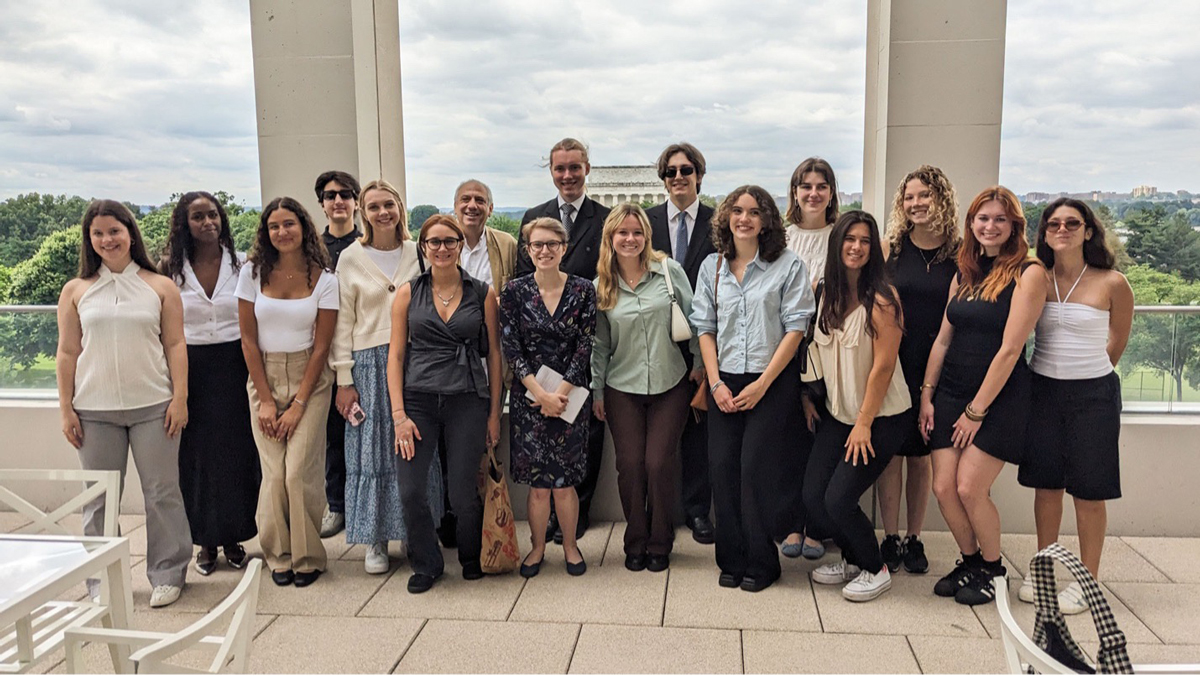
column 1071, row 442
column 369, row 273
column 812, row 209
column 122, row 383
column 288, row 309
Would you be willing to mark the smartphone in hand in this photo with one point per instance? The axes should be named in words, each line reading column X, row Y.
column 357, row 415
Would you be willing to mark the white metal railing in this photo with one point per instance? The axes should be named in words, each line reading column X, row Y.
column 1158, row 369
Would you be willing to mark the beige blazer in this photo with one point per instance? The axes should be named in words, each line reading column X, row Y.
column 502, row 254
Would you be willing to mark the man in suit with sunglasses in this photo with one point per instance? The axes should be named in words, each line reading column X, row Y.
column 680, row 228
column 583, row 218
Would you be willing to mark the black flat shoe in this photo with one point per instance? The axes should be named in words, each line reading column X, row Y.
column 235, row 556
column 756, row 584
column 420, row 583
column 282, row 577
column 657, row 563
column 305, row 579
column 702, row 529
column 635, row 562
column 532, row 569
column 472, row 571
column 729, row 580
column 577, row 569
column 206, row 561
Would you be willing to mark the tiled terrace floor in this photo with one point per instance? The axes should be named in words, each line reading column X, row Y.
column 612, row 620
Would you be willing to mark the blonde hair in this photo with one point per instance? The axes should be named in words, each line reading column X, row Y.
column 569, row 144
column 606, row 268
column 544, row 223
column 943, row 213
column 368, row 229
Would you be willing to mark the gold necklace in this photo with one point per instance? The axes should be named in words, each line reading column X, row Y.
column 928, row 262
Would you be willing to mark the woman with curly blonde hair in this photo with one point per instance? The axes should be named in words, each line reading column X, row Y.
column 639, row 376
column 922, row 241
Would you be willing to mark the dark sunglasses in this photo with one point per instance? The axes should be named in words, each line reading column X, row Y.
column 1071, row 225
column 344, row 193
column 672, row 172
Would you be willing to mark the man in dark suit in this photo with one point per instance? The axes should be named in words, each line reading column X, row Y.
column 680, row 229
column 583, row 218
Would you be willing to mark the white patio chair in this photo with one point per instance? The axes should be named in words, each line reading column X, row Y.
column 1020, row 651
column 240, row 608
column 31, row 638
column 106, row 483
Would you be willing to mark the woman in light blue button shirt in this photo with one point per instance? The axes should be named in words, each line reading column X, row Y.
column 752, row 302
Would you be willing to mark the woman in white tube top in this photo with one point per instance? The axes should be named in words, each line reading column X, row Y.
column 1076, row 408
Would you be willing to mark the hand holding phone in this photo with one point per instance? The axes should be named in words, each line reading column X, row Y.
column 357, row 415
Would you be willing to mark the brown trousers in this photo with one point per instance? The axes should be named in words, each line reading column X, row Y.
column 646, row 430
column 291, row 500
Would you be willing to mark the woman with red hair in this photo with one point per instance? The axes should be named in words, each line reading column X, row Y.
column 975, row 394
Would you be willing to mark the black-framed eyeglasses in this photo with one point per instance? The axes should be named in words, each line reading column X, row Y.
column 447, row 243
column 685, row 170
column 344, row 193
column 1071, row 224
column 552, row 246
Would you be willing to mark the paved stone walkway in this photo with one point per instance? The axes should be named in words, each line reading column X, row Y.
column 614, row 621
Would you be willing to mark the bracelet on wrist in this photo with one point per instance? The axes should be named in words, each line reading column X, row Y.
column 713, row 388
column 928, row 386
column 298, row 400
column 973, row 415
column 401, row 419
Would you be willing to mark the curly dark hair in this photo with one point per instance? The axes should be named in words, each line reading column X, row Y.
column 180, row 246
column 873, row 279
column 264, row 255
column 772, row 240
column 1096, row 250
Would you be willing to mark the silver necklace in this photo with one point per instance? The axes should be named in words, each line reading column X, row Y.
column 445, row 301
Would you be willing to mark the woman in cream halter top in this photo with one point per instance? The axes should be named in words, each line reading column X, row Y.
column 1072, row 440
column 122, row 383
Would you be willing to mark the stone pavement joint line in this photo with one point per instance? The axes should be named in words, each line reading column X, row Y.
column 679, row 621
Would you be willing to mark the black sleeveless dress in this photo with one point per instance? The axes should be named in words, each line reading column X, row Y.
column 978, row 335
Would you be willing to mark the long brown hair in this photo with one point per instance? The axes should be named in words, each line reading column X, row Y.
column 824, row 169
column 872, row 279
column 1013, row 253
column 943, row 213
column 606, row 270
column 1096, row 250
column 89, row 259
column 772, row 239
column 264, row 256
column 180, row 246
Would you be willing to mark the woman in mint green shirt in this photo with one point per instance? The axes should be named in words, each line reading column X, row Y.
column 639, row 381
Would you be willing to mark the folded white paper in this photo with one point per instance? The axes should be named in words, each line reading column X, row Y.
column 550, row 380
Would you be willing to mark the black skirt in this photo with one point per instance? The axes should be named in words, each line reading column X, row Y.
column 218, row 461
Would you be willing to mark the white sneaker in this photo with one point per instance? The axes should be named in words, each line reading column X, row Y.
column 332, row 523
column 164, row 595
column 1071, row 600
column 868, row 585
column 838, row 572
column 1026, row 592
column 377, row 558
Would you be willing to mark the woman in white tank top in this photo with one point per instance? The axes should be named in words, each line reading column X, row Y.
column 1072, row 437
column 122, row 383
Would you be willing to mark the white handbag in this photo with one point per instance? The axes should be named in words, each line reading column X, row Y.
column 680, row 329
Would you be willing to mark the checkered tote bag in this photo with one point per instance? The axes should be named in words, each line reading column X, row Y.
column 1112, row 657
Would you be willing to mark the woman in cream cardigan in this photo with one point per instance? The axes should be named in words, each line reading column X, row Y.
column 369, row 272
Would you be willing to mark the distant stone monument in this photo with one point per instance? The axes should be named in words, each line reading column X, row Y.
column 618, row 184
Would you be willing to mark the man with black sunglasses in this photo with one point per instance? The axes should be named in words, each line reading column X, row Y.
column 337, row 192
column 680, row 229
column 583, row 218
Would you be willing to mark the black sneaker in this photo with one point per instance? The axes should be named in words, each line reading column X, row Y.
column 914, row 556
column 979, row 589
column 954, row 580
column 892, row 550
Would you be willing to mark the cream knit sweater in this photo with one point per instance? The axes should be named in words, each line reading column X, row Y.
column 365, row 316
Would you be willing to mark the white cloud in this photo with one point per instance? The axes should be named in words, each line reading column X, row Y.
column 142, row 99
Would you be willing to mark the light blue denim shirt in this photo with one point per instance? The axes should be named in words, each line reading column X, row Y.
column 749, row 319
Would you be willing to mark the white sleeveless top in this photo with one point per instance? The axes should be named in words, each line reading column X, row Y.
column 846, row 359
column 811, row 246
column 1071, row 342
column 122, row 365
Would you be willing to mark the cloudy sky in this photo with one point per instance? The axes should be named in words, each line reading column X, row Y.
column 137, row 99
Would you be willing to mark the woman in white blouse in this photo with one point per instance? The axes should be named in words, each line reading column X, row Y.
column 812, row 209
column 287, row 312
column 218, row 461
column 123, row 383
column 369, row 272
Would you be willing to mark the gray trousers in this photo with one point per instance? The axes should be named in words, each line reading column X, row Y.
column 107, row 438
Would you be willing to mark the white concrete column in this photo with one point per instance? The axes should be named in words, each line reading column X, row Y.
column 935, row 84
column 327, row 91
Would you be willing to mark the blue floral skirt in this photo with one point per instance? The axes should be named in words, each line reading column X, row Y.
column 373, row 509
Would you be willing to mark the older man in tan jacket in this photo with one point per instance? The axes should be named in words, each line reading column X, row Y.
column 488, row 255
